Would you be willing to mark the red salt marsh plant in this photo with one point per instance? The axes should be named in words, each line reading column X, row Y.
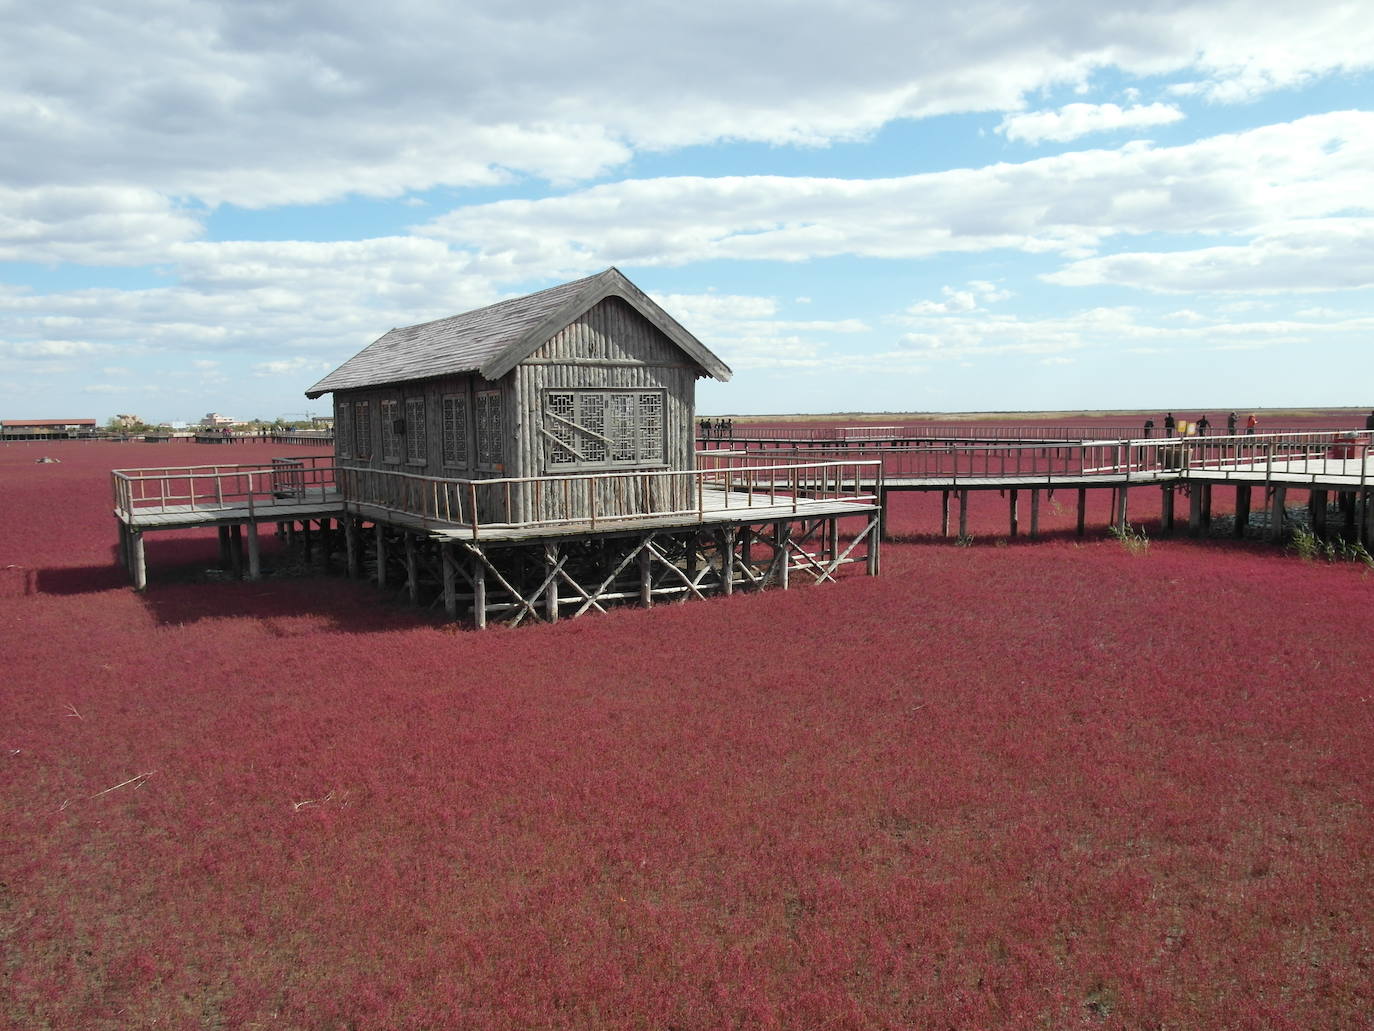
column 1042, row 786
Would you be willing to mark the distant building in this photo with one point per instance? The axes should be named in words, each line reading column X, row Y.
column 24, row 428
column 214, row 419
column 322, row 422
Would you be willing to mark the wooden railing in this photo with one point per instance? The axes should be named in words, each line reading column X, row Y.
column 507, row 503
column 197, row 488
column 598, row 499
column 783, row 434
column 1311, row 455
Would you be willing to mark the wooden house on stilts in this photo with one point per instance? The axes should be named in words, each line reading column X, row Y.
column 535, row 458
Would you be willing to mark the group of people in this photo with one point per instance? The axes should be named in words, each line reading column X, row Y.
column 1200, row 426
column 716, row 427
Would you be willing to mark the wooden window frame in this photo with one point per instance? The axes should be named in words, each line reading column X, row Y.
column 417, row 431
column 459, row 455
column 573, row 440
column 389, row 410
column 343, row 429
column 494, row 462
column 362, row 429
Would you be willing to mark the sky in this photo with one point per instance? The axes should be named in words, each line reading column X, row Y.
column 859, row 205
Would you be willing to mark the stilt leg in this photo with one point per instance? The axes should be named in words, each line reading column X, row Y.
column 254, row 559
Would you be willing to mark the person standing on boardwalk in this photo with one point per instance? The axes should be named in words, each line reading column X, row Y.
column 1169, row 424
column 1250, row 424
column 1231, row 425
column 1202, row 425
column 1369, row 421
column 1149, row 428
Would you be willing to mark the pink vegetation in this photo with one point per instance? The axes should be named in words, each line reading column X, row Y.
column 1049, row 785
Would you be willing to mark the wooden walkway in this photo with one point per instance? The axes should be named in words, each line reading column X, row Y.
column 730, row 530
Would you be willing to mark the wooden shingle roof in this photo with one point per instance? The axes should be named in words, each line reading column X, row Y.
column 495, row 339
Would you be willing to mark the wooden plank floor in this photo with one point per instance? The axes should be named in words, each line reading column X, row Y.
column 178, row 517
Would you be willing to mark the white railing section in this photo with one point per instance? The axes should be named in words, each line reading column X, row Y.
column 204, row 488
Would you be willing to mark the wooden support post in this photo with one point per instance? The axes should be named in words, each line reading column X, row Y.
column 139, row 560
column 1035, row 514
column 1316, row 502
column 1242, row 509
column 1276, row 502
column 1347, row 506
column 1367, row 523
column 782, row 535
column 963, row 514
column 236, row 550
column 1362, row 514
column 1166, row 509
column 381, row 554
column 1123, row 495
column 646, row 578
column 412, row 570
column 1194, row 509
column 882, row 512
column 479, row 592
column 832, row 539
column 944, row 513
column 254, row 558
column 123, row 544
column 1082, row 508
column 874, row 550
column 309, row 540
column 351, row 545
column 224, row 547
column 1012, row 506
column 1206, row 507
column 551, row 591
column 727, row 560
column 448, row 575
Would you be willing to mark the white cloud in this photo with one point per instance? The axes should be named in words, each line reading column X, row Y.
column 1305, row 256
column 1075, row 120
column 297, row 366
column 262, row 104
column 90, row 225
column 1069, row 203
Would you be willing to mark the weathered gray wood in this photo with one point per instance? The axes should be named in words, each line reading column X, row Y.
column 1243, row 509
column 1035, row 514
column 448, row 575
column 1166, row 508
column 1082, row 509
column 782, row 537
column 963, row 514
column 1012, row 501
column 140, row 561
column 646, row 578
column 412, row 570
column 351, row 546
column 479, row 593
column 380, row 537
column 727, row 560
column 944, row 513
column 1277, row 498
column 254, row 558
column 236, row 550
column 551, row 565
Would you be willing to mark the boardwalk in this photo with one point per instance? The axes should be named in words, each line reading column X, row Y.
column 529, row 547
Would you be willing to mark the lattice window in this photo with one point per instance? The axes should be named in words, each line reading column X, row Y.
column 362, row 426
column 455, row 435
column 391, row 442
column 620, row 427
column 603, row 428
column 651, row 426
column 416, row 452
column 591, row 416
column 490, row 438
column 562, row 448
column 343, row 429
